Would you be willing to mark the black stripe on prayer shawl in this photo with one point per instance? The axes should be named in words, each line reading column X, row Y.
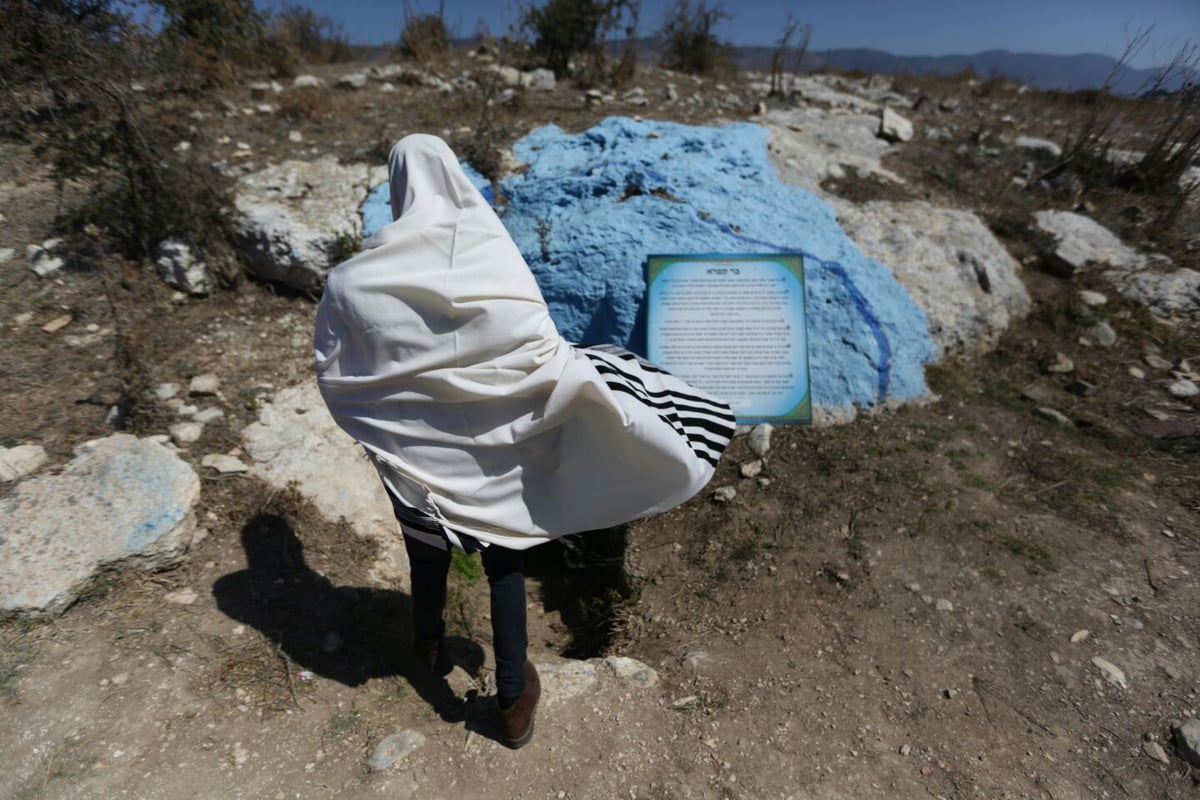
column 704, row 453
column 681, row 410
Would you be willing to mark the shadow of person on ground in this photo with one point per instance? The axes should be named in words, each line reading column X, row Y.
column 348, row 634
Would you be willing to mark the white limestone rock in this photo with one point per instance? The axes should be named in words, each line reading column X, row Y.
column 1044, row 146
column 1080, row 242
column 181, row 270
column 809, row 145
column 298, row 219
column 296, row 439
column 539, row 80
column 893, row 127
column 120, row 502
column 17, row 462
column 950, row 263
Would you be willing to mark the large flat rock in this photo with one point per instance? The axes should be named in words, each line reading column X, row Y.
column 961, row 276
column 299, row 219
column 121, row 502
column 296, row 441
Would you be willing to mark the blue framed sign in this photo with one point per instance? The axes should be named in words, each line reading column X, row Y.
column 734, row 326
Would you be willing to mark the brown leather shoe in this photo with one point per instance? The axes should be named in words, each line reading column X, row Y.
column 433, row 656
column 517, row 719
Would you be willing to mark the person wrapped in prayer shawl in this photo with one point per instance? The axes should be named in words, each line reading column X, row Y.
column 435, row 350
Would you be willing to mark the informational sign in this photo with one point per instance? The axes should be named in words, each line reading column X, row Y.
column 734, row 326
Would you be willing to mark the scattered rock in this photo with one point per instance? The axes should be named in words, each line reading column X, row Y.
column 20, row 461
column 1183, row 389
column 1102, row 334
column 1111, row 672
column 1046, row 146
column 121, row 501
column 186, row 432
column 180, row 270
column 1186, row 736
column 204, row 385
column 684, row 703
column 893, row 127
column 181, row 597
column 57, row 324
column 1058, row 364
column 1081, row 241
column 394, row 747
column 630, row 672
column 1157, row 361
column 943, row 604
column 44, row 263
column 223, row 464
column 1090, row 298
column 1081, row 388
column 760, row 439
column 695, row 661
column 905, row 749
column 751, row 469
column 539, row 80
column 307, row 82
column 355, row 80
column 165, row 391
column 1080, row 635
column 6, row 254
column 1137, row 373
column 724, row 494
column 1155, row 751
column 1053, row 415
column 208, row 415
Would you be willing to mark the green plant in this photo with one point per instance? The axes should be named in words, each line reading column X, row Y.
column 342, row 724
column 690, row 42
column 567, row 30
column 466, row 566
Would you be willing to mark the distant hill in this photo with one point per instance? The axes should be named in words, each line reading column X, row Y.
column 1084, row 71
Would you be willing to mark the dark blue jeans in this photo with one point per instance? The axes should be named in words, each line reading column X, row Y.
column 506, row 579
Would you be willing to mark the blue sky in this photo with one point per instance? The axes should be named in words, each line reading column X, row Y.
column 905, row 27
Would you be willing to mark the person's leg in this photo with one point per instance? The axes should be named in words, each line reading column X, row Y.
column 429, row 566
column 506, row 578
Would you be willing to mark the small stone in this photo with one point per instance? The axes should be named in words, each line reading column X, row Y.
column 1137, row 373
column 17, row 462
column 295, row 136
column 905, row 749
column 185, row 432
column 760, row 439
column 1155, row 751
column 1157, row 362
column 6, row 254
column 696, row 660
column 1172, row 673
column 1059, row 364
column 724, row 494
column 1183, row 389
column 1186, row 736
column 943, row 604
column 683, row 703
column 1053, row 415
column 394, row 747
column 57, row 324
column 751, row 469
column 181, row 597
column 165, row 391
column 1102, row 334
column 120, row 679
column 1080, row 635
column 205, row 384
column 1111, row 672
column 208, row 415
column 223, row 464
column 1090, row 298
column 1081, row 388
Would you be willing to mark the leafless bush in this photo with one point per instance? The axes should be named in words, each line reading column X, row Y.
column 309, row 36
column 689, row 39
column 788, row 55
column 425, row 36
column 1148, row 144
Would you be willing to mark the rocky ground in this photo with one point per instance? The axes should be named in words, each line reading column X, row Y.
column 989, row 594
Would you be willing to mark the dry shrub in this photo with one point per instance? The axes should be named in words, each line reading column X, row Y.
column 424, row 36
column 309, row 102
column 570, row 38
column 303, row 35
column 690, row 42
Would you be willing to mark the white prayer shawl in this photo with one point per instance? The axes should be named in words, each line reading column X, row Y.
column 435, row 350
